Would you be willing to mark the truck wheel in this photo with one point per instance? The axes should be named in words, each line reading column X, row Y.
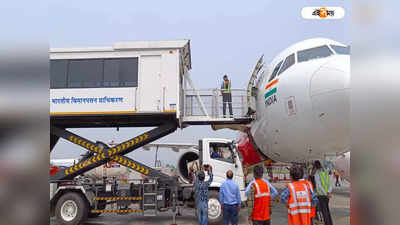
column 214, row 208
column 71, row 209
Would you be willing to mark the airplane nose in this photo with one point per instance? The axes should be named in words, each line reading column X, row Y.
column 332, row 76
column 330, row 97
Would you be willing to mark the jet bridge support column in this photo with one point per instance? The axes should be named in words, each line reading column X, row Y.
column 103, row 155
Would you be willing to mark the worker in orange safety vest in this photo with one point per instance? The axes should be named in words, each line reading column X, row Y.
column 299, row 198
column 259, row 198
column 313, row 208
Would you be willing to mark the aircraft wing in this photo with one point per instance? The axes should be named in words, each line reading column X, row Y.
column 174, row 146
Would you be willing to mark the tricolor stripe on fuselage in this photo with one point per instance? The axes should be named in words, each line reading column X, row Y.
column 271, row 91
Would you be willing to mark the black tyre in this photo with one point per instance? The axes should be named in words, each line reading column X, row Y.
column 101, row 206
column 214, row 208
column 71, row 209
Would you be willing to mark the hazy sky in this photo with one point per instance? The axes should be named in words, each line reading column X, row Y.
column 226, row 37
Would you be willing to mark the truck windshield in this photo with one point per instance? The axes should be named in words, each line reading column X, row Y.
column 221, row 151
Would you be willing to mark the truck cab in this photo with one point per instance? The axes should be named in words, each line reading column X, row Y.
column 228, row 159
column 222, row 155
column 73, row 201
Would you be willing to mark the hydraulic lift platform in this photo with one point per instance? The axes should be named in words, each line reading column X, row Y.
column 126, row 86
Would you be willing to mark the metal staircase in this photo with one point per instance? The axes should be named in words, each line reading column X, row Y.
column 149, row 198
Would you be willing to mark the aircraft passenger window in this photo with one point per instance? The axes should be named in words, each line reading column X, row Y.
column 222, row 152
column 58, row 73
column 273, row 75
column 341, row 50
column 86, row 73
column 313, row 53
column 289, row 61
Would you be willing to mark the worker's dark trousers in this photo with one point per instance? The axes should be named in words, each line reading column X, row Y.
column 337, row 182
column 227, row 99
column 323, row 207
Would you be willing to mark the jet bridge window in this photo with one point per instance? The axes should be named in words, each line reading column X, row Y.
column 222, row 152
column 120, row 72
column 94, row 73
column 289, row 61
column 273, row 75
column 86, row 73
column 341, row 50
column 313, row 53
column 58, row 71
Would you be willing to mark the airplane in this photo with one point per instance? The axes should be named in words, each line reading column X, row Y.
column 302, row 106
column 63, row 163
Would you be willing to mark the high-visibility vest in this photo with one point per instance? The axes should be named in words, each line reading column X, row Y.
column 325, row 182
column 261, row 200
column 309, row 185
column 226, row 87
column 299, row 204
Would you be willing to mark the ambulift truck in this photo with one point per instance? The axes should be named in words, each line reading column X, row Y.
column 131, row 84
column 73, row 200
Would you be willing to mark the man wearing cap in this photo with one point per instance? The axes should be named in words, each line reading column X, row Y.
column 201, row 194
column 226, row 95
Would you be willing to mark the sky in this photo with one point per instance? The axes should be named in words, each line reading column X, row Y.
column 227, row 37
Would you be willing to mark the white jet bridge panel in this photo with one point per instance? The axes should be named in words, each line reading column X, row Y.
column 139, row 77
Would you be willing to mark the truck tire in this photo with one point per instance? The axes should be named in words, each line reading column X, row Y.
column 71, row 209
column 214, row 208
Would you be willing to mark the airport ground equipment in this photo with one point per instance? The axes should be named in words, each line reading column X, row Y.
column 133, row 84
column 72, row 200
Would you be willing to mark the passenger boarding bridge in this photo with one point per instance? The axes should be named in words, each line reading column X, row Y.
column 130, row 84
column 133, row 84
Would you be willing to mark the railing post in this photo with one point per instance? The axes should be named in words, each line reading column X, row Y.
column 214, row 103
column 242, row 104
column 217, row 104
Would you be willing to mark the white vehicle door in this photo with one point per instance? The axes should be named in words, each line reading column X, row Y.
column 221, row 160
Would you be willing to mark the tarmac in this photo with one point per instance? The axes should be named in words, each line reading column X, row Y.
column 339, row 206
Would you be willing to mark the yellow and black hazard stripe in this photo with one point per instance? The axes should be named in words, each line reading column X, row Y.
column 86, row 144
column 130, row 164
column 112, row 153
column 117, row 149
column 116, row 198
column 116, row 211
column 127, row 144
column 85, row 163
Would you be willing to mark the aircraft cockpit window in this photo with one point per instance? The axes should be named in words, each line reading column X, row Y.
column 341, row 50
column 313, row 53
column 273, row 75
column 289, row 61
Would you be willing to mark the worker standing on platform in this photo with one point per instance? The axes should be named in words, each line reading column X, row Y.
column 226, row 95
column 299, row 198
column 201, row 194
